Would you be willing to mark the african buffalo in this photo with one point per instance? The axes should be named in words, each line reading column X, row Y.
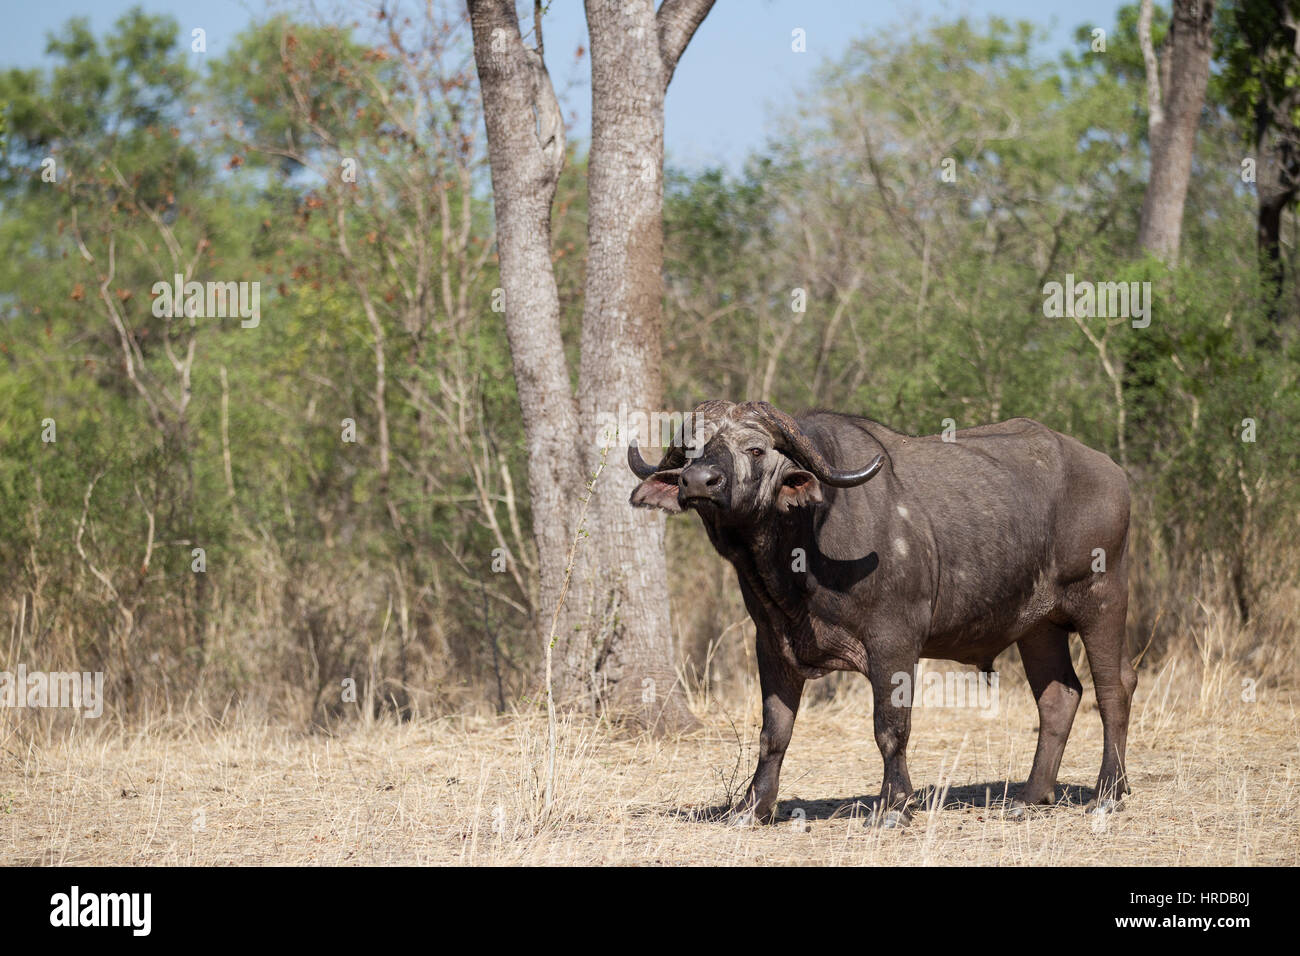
column 861, row 548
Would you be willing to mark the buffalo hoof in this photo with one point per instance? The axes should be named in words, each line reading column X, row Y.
column 889, row 820
column 1020, row 812
column 1105, row 806
column 743, row 820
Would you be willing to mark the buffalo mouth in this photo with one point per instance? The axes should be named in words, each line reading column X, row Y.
column 699, row 501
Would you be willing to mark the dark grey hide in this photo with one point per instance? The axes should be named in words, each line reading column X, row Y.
column 914, row 547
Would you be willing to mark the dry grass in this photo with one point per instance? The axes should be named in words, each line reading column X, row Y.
column 1214, row 777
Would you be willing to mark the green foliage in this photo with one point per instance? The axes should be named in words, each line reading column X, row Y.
column 930, row 188
column 1259, row 67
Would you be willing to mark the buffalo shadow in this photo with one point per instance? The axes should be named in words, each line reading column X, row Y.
column 993, row 796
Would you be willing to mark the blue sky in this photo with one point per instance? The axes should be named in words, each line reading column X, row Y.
column 729, row 94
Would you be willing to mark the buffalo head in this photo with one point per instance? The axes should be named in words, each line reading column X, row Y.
column 736, row 463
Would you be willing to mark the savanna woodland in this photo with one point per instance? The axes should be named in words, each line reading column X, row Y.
column 381, row 495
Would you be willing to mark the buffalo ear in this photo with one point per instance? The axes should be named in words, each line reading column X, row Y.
column 799, row 488
column 658, row 491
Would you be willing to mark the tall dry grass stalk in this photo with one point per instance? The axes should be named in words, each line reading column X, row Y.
column 578, row 535
column 278, row 641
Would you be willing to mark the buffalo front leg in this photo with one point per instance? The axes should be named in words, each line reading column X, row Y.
column 782, row 690
column 891, row 688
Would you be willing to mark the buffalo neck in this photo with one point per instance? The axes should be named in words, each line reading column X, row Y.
column 782, row 561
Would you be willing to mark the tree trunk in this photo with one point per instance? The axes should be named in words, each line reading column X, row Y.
column 525, row 169
column 1276, row 191
column 614, row 647
column 622, row 352
column 1277, row 177
column 1175, row 113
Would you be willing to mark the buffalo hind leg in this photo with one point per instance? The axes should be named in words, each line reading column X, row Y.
column 782, row 690
column 893, row 725
column 1114, row 679
column 1045, row 653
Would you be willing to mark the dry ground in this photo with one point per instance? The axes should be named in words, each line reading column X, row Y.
column 1215, row 782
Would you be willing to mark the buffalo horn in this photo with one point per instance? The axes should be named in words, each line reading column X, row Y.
column 638, row 464
column 788, row 434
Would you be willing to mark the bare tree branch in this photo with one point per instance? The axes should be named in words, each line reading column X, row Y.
column 1155, row 101
column 677, row 21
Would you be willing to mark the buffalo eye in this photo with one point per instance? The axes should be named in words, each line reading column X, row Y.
column 755, row 452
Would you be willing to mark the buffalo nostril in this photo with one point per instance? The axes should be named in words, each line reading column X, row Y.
column 702, row 481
